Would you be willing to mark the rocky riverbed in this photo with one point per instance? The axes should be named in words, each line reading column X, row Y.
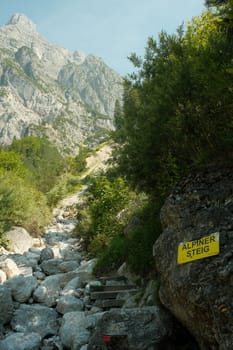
column 46, row 299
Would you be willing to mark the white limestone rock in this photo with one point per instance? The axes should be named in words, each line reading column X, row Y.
column 9, row 267
column 2, row 276
column 19, row 239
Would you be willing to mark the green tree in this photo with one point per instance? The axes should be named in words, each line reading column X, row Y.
column 118, row 119
column 224, row 10
column 215, row 3
column 11, row 161
column 78, row 163
column 177, row 107
column 6, row 200
column 101, row 220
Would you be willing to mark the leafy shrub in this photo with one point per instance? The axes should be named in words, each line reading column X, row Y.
column 100, row 221
column 12, row 161
column 21, row 204
column 141, row 239
column 135, row 247
column 78, row 164
column 72, row 183
column 113, row 256
column 57, row 192
column 42, row 159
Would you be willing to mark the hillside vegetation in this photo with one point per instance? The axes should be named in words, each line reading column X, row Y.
column 34, row 177
column 176, row 117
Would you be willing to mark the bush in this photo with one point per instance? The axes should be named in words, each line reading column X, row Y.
column 57, row 192
column 113, row 256
column 42, row 159
column 101, row 219
column 140, row 241
column 136, row 247
column 78, row 164
column 22, row 205
column 83, row 228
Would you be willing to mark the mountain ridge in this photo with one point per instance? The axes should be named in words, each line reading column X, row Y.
column 45, row 90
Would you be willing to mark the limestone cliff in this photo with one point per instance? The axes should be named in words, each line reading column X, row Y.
column 46, row 90
column 199, row 293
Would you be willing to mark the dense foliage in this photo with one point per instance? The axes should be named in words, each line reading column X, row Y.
column 21, row 205
column 101, row 219
column 78, row 163
column 34, row 176
column 41, row 158
column 117, row 225
column 178, row 106
column 176, row 117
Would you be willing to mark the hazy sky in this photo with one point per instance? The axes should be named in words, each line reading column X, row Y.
column 111, row 29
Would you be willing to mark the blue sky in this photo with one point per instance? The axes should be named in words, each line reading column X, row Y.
column 111, row 29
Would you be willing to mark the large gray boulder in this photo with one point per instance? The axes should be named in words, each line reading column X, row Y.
column 21, row 341
column 6, row 305
column 75, row 329
column 199, row 293
column 20, row 240
column 35, row 318
column 22, row 287
column 85, row 270
column 72, row 286
column 68, row 266
column 48, row 291
column 135, row 328
column 46, row 254
column 68, row 254
column 51, row 266
column 69, row 303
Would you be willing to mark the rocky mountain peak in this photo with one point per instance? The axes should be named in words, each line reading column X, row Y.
column 47, row 91
column 23, row 21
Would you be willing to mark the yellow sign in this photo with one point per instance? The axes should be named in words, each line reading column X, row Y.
column 198, row 249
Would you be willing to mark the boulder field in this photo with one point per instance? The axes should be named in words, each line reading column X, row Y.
column 50, row 299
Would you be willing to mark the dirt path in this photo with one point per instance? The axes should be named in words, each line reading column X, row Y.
column 95, row 162
column 98, row 161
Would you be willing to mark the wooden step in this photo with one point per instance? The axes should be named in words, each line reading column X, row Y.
column 104, row 295
column 104, row 288
column 109, row 303
column 105, row 279
column 110, row 294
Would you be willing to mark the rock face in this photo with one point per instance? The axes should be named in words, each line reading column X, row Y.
column 45, row 90
column 199, row 293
